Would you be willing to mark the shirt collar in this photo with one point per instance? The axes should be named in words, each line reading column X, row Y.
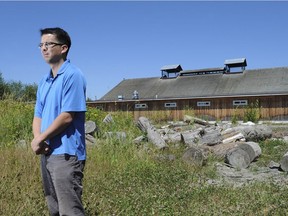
column 61, row 69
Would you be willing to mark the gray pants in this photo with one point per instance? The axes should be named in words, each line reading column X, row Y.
column 62, row 182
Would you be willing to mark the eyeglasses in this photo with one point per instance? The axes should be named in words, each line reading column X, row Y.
column 49, row 45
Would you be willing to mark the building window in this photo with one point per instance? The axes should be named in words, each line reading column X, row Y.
column 240, row 102
column 203, row 103
column 141, row 106
column 170, row 105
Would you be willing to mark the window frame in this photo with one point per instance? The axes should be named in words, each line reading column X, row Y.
column 243, row 102
column 141, row 106
column 170, row 105
column 203, row 103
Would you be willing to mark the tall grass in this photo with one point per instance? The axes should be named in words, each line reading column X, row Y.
column 16, row 121
column 124, row 179
column 20, row 188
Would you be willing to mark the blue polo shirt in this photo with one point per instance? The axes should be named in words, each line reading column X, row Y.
column 64, row 93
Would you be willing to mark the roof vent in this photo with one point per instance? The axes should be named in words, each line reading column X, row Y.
column 170, row 71
column 135, row 95
column 120, row 97
column 235, row 65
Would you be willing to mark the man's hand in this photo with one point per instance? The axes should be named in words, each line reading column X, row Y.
column 39, row 146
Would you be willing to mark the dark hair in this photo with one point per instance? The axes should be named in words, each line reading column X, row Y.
column 61, row 35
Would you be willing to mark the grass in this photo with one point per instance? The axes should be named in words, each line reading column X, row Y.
column 122, row 178
column 20, row 189
column 125, row 180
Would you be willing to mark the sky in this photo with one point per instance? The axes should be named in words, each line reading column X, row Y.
column 116, row 40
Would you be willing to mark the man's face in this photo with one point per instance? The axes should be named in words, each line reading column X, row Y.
column 51, row 48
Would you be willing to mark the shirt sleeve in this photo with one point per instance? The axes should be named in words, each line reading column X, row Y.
column 74, row 93
column 38, row 106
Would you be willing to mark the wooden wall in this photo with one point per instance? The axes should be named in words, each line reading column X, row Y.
column 271, row 107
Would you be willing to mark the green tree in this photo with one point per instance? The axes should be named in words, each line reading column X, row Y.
column 29, row 92
column 15, row 90
column 3, row 86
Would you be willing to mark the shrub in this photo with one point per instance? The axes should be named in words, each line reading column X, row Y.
column 252, row 112
column 235, row 117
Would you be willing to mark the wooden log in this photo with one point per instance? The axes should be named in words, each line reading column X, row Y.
column 177, row 124
column 188, row 119
column 90, row 127
column 228, row 131
column 255, row 133
column 155, row 138
column 108, row 118
column 90, row 140
column 139, row 140
column 172, row 138
column 284, row 162
column 237, row 158
column 143, row 123
column 234, row 138
column 152, row 134
column 200, row 121
column 194, row 156
column 252, row 148
column 221, row 150
column 115, row 135
column 212, row 138
column 191, row 137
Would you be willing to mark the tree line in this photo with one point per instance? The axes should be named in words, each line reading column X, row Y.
column 16, row 90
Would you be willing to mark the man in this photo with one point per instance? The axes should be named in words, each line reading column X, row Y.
column 58, row 126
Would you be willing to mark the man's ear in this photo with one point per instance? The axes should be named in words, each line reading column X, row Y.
column 64, row 48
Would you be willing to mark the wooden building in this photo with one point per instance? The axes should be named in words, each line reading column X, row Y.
column 212, row 93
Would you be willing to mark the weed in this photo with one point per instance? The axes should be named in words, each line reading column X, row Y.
column 252, row 112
